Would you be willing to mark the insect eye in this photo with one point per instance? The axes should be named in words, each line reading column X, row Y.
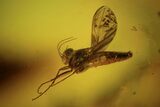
column 69, row 51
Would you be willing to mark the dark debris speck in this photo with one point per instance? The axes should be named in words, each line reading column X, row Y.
column 133, row 28
column 134, row 93
column 158, row 13
column 158, row 50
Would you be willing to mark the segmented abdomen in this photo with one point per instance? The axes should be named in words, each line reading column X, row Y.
column 103, row 58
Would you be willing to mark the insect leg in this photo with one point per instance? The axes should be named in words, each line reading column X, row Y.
column 63, row 68
column 64, row 78
column 52, row 80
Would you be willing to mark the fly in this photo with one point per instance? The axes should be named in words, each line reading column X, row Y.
column 104, row 27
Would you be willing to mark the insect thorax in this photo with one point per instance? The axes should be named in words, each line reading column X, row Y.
column 79, row 57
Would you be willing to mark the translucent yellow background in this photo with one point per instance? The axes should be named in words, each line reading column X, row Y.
column 31, row 29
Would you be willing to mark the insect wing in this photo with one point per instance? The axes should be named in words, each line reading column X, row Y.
column 104, row 27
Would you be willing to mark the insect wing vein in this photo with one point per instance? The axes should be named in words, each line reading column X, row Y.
column 104, row 26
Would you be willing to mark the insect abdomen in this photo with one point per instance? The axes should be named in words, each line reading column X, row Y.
column 97, row 61
column 103, row 58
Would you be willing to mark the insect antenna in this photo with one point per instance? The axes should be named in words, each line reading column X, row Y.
column 58, row 45
column 62, row 42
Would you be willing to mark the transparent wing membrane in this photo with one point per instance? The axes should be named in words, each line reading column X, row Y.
column 104, row 28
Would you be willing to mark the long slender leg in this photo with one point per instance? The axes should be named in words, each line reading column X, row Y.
column 52, row 80
column 63, row 78
column 61, row 69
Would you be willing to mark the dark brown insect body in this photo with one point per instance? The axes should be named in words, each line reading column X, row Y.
column 104, row 28
column 82, row 59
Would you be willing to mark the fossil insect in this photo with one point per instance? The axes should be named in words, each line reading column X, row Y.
column 104, row 28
